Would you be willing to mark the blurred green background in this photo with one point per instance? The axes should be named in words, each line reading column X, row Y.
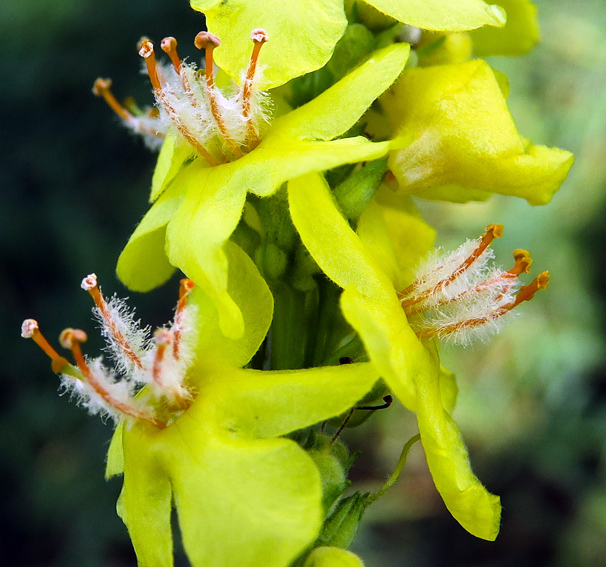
column 73, row 186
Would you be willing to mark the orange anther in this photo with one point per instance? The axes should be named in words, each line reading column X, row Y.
column 169, row 46
column 259, row 35
column 70, row 337
column 146, row 51
column 206, row 40
column 523, row 262
column 31, row 330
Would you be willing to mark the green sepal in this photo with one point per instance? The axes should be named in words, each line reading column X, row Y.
column 341, row 526
column 356, row 192
column 354, row 46
column 332, row 475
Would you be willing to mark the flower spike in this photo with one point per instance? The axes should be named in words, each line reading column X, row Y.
column 456, row 299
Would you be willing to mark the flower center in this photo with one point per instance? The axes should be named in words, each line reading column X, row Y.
column 220, row 126
column 458, row 296
column 152, row 384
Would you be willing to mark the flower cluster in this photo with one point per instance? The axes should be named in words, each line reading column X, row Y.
column 303, row 247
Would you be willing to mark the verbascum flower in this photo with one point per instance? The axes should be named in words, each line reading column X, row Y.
column 465, row 144
column 197, row 433
column 200, row 204
column 305, row 35
column 454, row 296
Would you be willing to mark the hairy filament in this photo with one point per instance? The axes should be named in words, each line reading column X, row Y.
column 259, row 37
column 147, row 53
column 208, row 42
column 71, row 339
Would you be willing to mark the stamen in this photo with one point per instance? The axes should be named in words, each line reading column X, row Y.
column 163, row 338
column 184, row 290
column 31, row 330
column 102, row 88
column 146, row 51
column 259, row 37
column 89, row 284
column 506, row 280
column 523, row 262
column 169, row 46
column 492, row 231
column 208, row 42
column 526, row 293
column 71, row 339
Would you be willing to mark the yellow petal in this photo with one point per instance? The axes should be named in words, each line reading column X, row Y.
column 465, row 136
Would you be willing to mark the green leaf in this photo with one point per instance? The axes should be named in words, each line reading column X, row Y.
column 302, row 35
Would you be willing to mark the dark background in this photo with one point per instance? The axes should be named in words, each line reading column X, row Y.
column 74, row 183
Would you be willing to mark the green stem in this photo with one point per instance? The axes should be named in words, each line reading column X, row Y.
column 396, row 473
column 289, row 328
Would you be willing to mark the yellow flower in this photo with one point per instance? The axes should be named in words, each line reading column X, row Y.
column 375, row 268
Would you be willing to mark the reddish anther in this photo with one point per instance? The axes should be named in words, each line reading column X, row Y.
column 146, row 51
column 208, row 42
column 169, row 46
